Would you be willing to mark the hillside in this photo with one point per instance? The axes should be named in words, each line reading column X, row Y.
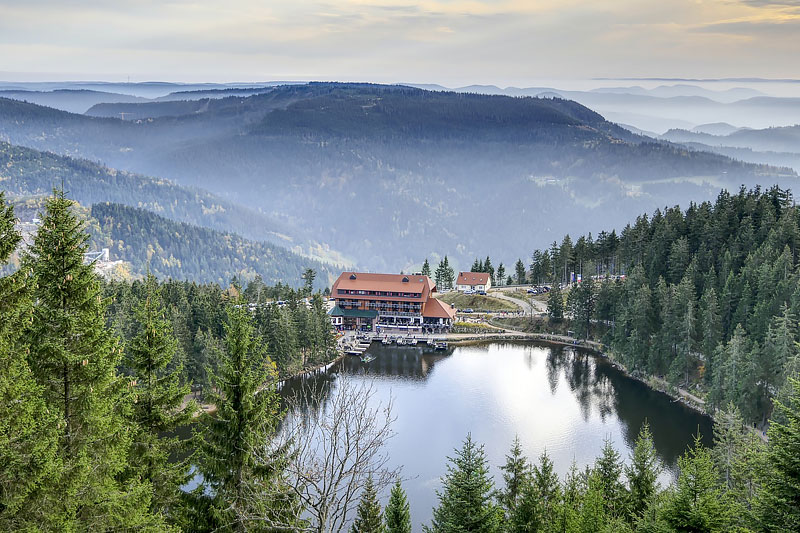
column 72, row 100
column 362, row 167
column 187, row 252
column 27, row 172
column 784, row 139
column 710, row 299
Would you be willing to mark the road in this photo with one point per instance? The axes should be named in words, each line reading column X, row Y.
column 538, row 307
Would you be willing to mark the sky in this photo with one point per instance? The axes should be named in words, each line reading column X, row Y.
column 451, row 42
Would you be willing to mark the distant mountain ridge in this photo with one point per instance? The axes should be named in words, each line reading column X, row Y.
column 390, row 175
column 27, row 172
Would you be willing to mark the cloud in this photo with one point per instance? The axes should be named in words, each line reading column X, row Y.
column 452, row 41
column 769, row 3
column 756, row 28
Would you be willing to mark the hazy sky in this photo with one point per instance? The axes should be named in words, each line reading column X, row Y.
column 439, row 41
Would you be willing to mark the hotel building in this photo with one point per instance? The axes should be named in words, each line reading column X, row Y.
column 389, row 303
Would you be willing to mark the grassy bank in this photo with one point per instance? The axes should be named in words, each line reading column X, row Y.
column 477, row 302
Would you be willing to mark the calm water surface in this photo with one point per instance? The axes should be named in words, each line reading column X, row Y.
column 557, row 399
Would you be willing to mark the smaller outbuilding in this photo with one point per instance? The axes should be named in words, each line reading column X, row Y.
column 473, row 281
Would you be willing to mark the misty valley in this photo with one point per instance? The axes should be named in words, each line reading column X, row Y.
column 381, row 308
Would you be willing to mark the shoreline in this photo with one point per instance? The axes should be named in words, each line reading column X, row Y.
column 596, row 349
column 655, row 383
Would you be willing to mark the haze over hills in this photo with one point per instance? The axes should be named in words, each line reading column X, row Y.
column 178, row 250
column 363, row 167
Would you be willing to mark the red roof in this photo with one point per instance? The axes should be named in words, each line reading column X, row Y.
column 473, row 278
column 436, row 308
column 365, row 281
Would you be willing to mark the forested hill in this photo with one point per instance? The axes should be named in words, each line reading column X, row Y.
column 186, row 252
column 710, row 301
column 360, row 167
column 27, row 172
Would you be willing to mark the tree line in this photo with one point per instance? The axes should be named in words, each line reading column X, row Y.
column 89, row 409
column 739, row 484
column 708, row 298
column 88, row 415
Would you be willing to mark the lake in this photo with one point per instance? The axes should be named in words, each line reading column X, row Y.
column 559, row 399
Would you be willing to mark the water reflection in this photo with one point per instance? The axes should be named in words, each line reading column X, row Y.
column 559, row 399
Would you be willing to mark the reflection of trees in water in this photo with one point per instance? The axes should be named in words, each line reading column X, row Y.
column 314, row 391
column 595, row 383
column 590, row 387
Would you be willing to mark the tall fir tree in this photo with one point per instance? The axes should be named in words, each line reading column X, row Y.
column 369, row 518
column 698, row 502
column 519, row 273
column 157, row 400
column 74, row 357
column 466, row 499
column 516, row 473
column 244, row 480
column 642, row 474
column 426, row 268
column 397, row 513
column 608, row 468
column 501, row 274
column 555, row 303
column 779, row 498
column 29, row 458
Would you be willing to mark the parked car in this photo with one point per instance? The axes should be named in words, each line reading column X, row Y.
column 482, row 293
column 469, row 291
column 467, row 310
column 533, row 291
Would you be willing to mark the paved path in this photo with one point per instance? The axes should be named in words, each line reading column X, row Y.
column 539, row 307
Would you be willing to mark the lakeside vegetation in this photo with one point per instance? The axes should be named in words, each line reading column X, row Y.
column 95, row 377
column 707, row 298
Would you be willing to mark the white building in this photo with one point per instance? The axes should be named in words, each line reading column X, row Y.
column 473, row 281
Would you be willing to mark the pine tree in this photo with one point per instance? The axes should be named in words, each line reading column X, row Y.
column 519, row 271
column 581, row 303
column 28, row 437
column 738, row 455
column 516, row 472
column 465, row 502
column 397, row 514
column 546, row 482
column 74, row 358
column 528, row 515
column 642, row 474
column 698, row 503
column 779, row 498
column 501, row 274
column 158, row 397
column 368, row 516
column 426, row 268
column 244, row 481
column 779, row 348
column 555, row 304
column 608, row 468
column 309, row 275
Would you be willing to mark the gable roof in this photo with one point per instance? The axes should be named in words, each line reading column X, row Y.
column 367, row 281
column 472, row 278
column 436, row 308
